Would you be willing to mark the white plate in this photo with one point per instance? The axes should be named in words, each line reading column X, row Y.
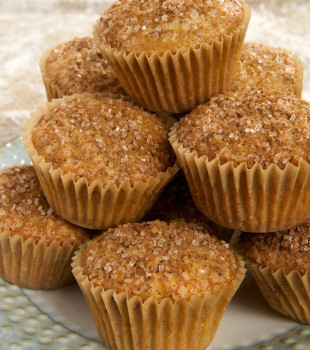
column 61, row 320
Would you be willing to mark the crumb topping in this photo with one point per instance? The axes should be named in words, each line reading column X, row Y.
column 76, row 67
column 25, row 211
column 105, row 139
column 268, row 68
column 160, row 25
column 251, row 127
column 287, row 250
column 159, row 259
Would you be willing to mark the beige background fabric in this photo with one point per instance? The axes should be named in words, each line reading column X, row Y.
column 28, row 27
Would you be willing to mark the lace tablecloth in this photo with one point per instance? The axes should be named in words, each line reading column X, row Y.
column 28, row 27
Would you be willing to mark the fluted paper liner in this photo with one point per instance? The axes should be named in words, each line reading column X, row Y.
column 52, row 89
column 177, row 81
column 92, row 205
column 129, row 323
column 288, row 294
column 252, row 200
column 35, row 265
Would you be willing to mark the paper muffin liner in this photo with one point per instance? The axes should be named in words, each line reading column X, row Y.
column 221, row 232
column 129, row 323
column 252, row 200
column 35, row 265
column 52, row 89
column 177, row 81
column 288, row 294
column 92, row 205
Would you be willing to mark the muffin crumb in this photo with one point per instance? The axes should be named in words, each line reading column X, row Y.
column 249, row 126
column 287, row 250
column 159, row 259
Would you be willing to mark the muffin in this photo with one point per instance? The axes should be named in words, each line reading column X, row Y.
column 269, row 68
column 101, row 161
column 280, row 265
column 36, row 246
column 245, row 155
column 171, row 56
column 75, row 67
column 175, row 202
column 157, row 285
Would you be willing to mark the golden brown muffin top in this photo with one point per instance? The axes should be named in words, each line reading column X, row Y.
column 158, row 259
column 76, row 67
column 104, row 139
column 268, row 68
column 161, row 25
column 251, row 127
column 287, row 250
column 25, row 211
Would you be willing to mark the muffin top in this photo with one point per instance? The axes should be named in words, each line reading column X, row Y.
column 268, row 68
column 251, row 127
column 25, row 211
column 104, row 139
column 161, row 25
column 287, row 250
column 76, row 67
column 158, row 259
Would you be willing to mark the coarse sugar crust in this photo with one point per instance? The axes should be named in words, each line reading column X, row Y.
column 77, row 67
column 102, row 138
column 269, row 68
column 249, row 126
column 287, row 250
column 161, row 25
column 158, row 259
column 25, row 211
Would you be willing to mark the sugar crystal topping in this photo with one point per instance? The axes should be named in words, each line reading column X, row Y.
column 25, row 211
column 249, row 126
column 289, row 250
column 159, row 259
column 139, row 25
column 77, row 67
column 104, row 139
column 269, row 68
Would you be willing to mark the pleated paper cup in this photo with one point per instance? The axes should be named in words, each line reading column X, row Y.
column 129, row 323
column 252, row 200
column 35, row 265
column 52, row 89
column 93, row 205
column 288, row 294
column 177, row 81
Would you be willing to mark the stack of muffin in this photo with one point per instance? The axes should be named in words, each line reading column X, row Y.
column 157, row 277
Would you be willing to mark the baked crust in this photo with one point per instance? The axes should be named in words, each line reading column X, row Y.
column 251, row 127
column 103, row 139
column 137, row 26
column 287, row 250
column 25, row 211
column 77, row 67
column 158, row 259
column 269, row 68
